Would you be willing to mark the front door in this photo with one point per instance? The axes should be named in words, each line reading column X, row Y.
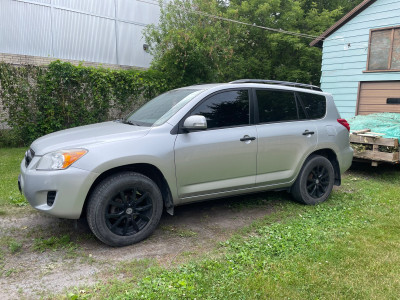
column 221, row 158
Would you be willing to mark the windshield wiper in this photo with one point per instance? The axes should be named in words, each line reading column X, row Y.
column 130, row 123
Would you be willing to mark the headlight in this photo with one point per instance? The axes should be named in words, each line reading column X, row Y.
column 60, row 160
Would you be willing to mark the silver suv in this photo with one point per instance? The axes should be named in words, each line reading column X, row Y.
column 187, row 145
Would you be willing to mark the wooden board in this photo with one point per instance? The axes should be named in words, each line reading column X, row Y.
column 378, row 156
column 374, row 141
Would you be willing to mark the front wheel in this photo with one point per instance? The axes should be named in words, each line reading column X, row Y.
column 315, row 181
column 124, row 209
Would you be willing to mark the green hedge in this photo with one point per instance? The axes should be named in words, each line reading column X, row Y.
column 41, row 100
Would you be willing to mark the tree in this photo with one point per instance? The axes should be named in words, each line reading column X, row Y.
column 195, row 43
column 187, row 46
column 320, row 5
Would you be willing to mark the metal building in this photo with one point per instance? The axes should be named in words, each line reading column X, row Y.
column 99, row 31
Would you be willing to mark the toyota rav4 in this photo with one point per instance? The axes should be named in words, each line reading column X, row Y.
column 187, row 145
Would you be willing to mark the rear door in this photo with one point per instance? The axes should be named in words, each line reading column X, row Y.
column 285, row 136
column 221, row 158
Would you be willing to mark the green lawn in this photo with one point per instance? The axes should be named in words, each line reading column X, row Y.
column 10, row 159
column 346, row 248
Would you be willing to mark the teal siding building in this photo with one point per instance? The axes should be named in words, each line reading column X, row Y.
column 361, row 59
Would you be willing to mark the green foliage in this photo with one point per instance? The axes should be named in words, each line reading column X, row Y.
column 54, row 243
column 346, row 5
column 191, row 47
column 14, row 246
column 41, row 100
column 9, row 169
column 9, row 137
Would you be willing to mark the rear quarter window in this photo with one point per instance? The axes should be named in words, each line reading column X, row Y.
column 276, row 106
column 314, row 105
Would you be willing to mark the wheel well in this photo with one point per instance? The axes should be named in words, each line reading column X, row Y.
column 330, row 154
column 146, row 169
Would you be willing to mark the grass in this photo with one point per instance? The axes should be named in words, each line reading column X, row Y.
column 9, row 170
column 181, row 232
column 56, row 243
column 346, row 248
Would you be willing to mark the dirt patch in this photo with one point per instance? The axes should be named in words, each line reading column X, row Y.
column 30, row 268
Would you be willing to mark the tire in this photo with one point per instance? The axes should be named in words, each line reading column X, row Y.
column 315, row 181
column 124, row 209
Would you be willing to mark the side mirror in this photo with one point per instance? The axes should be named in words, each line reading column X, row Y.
column 195, row 122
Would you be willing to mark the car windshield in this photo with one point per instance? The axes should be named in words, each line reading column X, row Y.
column 158, row 110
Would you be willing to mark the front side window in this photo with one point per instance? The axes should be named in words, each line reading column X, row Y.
column 226, row 109
column 276, row 106
column 384, row 49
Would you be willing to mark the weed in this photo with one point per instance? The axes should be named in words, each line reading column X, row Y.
column 55, row 243
column 179, row 232
column 18, row 200
column 7, row 273
column 14, row 246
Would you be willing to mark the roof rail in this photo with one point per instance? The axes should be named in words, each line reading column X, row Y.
column 285, row 83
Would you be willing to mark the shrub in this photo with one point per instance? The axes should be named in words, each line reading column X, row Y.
column 41, row 100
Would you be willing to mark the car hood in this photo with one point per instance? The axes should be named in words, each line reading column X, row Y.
column 80, row 137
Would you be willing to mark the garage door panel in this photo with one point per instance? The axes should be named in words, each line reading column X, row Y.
column 380, row 85
column 380, row 93
column 373, row 97
column 374, row 100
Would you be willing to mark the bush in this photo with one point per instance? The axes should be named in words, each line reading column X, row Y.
column 41, row 100
column 9, row 138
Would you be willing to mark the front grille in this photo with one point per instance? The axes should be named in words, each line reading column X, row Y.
column 28, row 157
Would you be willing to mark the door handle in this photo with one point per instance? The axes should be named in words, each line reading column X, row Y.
column 308, row 132
column 247, row 138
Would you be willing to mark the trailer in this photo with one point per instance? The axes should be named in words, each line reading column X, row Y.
column 374, row 147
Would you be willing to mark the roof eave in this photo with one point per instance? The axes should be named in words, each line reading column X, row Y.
column 318, row 42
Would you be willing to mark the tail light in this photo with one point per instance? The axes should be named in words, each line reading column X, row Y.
column 344, row 123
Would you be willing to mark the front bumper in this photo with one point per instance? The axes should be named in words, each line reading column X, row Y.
column 70, row 187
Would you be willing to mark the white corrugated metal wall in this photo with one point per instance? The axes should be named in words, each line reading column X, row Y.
column 103, row 31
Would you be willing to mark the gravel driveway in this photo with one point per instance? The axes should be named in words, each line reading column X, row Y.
column 50, row 255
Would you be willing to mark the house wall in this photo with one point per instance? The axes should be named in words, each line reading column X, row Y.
column 98, row 31
column 345, row 55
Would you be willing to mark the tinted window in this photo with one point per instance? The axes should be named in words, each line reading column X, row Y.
column 275, row 106
column 225, row 109
column 315, row 105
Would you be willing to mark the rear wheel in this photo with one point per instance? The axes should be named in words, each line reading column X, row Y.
column 315, row 181
column 124, row 209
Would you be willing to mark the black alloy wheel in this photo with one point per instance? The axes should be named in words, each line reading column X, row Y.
column 124, row 209
column 315, row 181
column 318, row 181
column 128, row 212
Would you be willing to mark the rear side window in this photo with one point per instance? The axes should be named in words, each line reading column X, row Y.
column 226, row 109
column 276, row 106
column 314, row 105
